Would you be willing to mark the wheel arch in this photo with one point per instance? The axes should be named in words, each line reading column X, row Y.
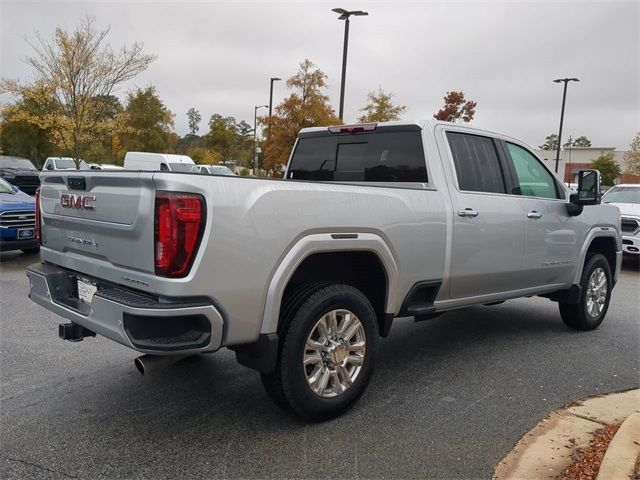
column 354, row 254
column 605, row 242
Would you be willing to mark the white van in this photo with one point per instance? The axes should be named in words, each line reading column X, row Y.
column 158, row 161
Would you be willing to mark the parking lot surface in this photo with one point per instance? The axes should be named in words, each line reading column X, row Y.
column 449, row 398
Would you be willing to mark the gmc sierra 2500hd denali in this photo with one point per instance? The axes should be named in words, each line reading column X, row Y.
column 301, row 276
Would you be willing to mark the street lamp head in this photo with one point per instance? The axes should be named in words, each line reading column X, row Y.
column 344, row 14
column 560, row 80
column 275, row 79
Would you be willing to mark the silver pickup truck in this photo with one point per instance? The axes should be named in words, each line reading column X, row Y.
column 301, row 276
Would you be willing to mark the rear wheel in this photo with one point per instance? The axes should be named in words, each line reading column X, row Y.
column 596, row 283
column 327, row 353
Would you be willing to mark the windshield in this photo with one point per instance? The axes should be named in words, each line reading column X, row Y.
column 220, row 170
column 181, row 167
column 622, row 195
column 69, row 164
column 16, row 162
column 5, row 187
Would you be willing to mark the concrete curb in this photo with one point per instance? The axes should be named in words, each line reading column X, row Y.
column 546, row 450
column 623, row 452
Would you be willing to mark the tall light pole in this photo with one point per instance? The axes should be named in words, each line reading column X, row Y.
column 564, row 98
column 273, row 79
column 344, row 15
column 255, row 138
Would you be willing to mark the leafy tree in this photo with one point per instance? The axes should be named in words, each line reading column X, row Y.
column 149, row 123
column 76, row 69
column 380, row 108
column 608, row 168
column 307, row 106
column 222, row 135
column 204, row 156
column 632, row 157
column 194, row 120
column 456, row 108
column 581, row 141
column 550, row 143
column 22, row 138
column 231, row 140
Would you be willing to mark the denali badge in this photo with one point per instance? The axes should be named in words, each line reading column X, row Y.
column 82, row 241
column 68, row 200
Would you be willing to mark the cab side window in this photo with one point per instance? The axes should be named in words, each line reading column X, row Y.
column 477, row 163
column 534, row 179
column 164, row 167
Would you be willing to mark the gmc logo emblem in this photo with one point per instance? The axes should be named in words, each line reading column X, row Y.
column 68, row 200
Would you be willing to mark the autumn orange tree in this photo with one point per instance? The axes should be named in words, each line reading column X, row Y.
column 307, row 106
column 75, row 70
column 456, row 108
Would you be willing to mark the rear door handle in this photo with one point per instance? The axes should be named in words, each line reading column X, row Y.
column 534, row 214
column 467, row 212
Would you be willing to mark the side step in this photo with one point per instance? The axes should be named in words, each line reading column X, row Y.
column 419, row 301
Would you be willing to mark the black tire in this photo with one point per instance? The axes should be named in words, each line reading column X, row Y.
column 292, row 301
column 577, row 315
column 287, row 385
column 31, row 251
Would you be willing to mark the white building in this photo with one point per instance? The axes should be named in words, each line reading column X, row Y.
column 579, row 157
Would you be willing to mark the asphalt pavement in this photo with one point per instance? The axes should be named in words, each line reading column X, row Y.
column 449, row 398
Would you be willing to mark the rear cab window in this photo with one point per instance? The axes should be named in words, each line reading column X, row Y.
column 477, row 163
column 389, row 154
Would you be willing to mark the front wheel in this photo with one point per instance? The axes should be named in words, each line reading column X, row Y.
column 596, row 283
column 327, row 353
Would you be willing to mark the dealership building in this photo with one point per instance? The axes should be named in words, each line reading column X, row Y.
column 578, row 158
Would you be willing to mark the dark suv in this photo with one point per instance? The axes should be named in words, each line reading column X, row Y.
column 20, row 172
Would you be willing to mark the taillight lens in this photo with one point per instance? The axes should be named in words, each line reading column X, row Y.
column 38, row 234
column 179, row 223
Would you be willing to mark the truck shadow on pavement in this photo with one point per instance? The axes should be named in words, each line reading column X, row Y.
column 213, row 389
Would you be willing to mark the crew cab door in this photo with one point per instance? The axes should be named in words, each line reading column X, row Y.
column 551, row 247
column 488, row 228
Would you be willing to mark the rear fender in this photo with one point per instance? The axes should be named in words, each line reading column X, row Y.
column 327, row 242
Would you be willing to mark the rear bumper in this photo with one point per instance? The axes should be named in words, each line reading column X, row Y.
column 8, row 245
column 112, row 309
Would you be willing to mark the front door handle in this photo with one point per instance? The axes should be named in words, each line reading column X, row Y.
column 534, row 214
column 467, row 212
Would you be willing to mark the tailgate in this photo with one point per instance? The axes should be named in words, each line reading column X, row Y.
column 98, row 221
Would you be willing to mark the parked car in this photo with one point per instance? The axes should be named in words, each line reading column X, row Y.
column 104, row 166
column 213, row 170
column 627, row 198
column 302, row 276
column 20, row 172
column 17, row 220
column 158, row 162
column 63, row 163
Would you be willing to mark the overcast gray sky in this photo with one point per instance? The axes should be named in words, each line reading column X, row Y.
column 218, row 56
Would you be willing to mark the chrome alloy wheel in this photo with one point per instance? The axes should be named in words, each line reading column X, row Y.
column 596, row 294
column 334, row 353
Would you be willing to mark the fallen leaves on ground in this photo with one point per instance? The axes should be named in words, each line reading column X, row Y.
column 587, row 461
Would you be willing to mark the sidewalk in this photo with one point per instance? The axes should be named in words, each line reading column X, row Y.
column 550, row 446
